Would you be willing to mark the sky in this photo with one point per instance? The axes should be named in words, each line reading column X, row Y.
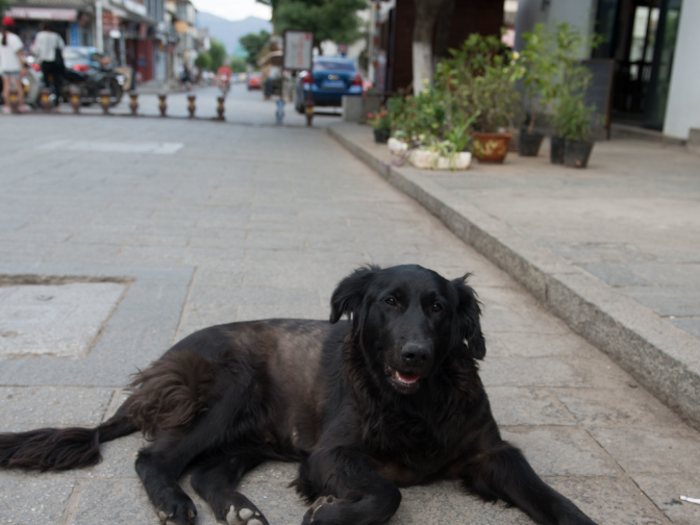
column 234, row 9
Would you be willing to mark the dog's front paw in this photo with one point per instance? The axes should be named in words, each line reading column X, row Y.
column 318, row 510
column 178, row 513
column 244, row 516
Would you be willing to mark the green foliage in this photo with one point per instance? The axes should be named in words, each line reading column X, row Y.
column 334, row 20
column 572, row 117
column 217, row 51
column 540, row 69
column 480, row 79
column 380, row 120
column 253, row 44
column 237, row 64
column 203, row 61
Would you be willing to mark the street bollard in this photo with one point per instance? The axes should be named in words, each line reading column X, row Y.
column 45, row 99
column 190, row 105
column 134, row 104
column 163, row 107
column 14, row 98
column 309, row 111
column 220, row 108
column 104, row 100
column 75, row 98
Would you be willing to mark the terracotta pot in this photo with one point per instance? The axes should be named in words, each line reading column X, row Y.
column 381, row 136
column 577, row 152
column 491, row 147
column 529, row 143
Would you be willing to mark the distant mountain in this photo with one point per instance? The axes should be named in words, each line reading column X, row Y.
column 228, row 31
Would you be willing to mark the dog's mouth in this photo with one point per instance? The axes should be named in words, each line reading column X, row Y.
column 403, row 382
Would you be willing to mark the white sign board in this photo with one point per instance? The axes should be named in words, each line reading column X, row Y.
column 298, row 49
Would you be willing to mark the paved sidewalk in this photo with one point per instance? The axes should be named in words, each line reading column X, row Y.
column 613, row 249
column 203, row 223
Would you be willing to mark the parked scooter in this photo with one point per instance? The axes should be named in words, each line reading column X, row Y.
column 91, row 81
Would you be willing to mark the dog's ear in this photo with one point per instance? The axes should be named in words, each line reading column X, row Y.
column 468, row 324
column 348, row 295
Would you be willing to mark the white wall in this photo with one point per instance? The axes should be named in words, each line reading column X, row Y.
column 578, row 13
column 683, row 108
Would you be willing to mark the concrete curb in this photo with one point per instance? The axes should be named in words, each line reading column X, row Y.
column 663, row 358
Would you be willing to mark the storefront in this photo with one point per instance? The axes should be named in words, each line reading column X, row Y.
column 73, row 24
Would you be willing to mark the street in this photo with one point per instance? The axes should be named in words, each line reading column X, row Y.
column 201, row 223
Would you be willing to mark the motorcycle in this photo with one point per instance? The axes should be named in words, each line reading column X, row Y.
column 91, row 81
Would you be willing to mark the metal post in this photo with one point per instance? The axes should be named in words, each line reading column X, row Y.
column 45, row 99
column 75, row 98
column 163, row 107
column 99, row 40
column 134, row 105
column 104, row 100
column 14, row 97
column 190, row 105
column 220, row 108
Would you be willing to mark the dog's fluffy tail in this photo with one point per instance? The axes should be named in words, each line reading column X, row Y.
column 61, row 448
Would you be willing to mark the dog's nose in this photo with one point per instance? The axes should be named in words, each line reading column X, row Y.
column 414, row 354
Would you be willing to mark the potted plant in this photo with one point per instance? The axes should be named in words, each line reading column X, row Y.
column 381, row 123
column 571, row 142
column 538, row 62
column 481, row 77
column 572, row 120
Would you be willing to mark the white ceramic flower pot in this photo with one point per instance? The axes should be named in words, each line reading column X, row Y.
column 396, row 145
column 428, row 160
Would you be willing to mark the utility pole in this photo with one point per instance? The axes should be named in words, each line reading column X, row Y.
column 99, row 40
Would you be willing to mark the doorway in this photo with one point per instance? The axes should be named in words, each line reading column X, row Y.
column 641, row 36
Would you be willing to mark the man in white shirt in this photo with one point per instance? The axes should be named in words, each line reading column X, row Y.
column 47, row 47
column 11, row 64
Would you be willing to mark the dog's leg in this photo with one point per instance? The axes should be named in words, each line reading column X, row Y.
column 350, row 490
column 216, row 481
column 159, row 476
column 502, row 472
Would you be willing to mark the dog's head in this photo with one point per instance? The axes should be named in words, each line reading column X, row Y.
column 408, row 320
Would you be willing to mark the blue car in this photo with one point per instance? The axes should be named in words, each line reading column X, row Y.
column 329, row 79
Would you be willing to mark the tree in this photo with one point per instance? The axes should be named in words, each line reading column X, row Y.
column 237, row 64
column 203, row 61
column 334, row 20
column 217, row 51
column 253, row 43
column 426, row 14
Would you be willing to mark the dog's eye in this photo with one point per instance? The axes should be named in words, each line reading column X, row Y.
column 390, row 301
column 436, row 307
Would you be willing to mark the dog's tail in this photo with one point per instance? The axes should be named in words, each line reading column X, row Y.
column 62, row 448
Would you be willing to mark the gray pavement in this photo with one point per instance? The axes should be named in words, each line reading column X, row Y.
column 612, row 249
column 242, row 222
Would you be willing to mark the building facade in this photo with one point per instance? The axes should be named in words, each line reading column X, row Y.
column 653, row 44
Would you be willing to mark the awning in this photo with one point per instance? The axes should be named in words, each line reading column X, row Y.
column 43, row 13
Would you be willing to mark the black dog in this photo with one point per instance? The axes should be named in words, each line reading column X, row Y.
column 389, row 398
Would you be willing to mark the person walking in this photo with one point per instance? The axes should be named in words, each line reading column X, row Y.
column 11, row 64
column 48, row 48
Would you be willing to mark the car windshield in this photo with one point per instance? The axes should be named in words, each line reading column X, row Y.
column 332, row 64
column 74, row 54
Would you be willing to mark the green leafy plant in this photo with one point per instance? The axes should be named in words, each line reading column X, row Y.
column 540, row 68
column 480, row 78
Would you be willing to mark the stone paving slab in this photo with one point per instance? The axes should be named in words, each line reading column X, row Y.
column 271, row 235
column 545, row 224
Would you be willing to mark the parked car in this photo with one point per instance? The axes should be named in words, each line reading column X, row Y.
column 329, row 80
column 255, row 81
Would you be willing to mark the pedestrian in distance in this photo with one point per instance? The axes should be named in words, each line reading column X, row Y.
column 11, row 64
column 48, row 48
